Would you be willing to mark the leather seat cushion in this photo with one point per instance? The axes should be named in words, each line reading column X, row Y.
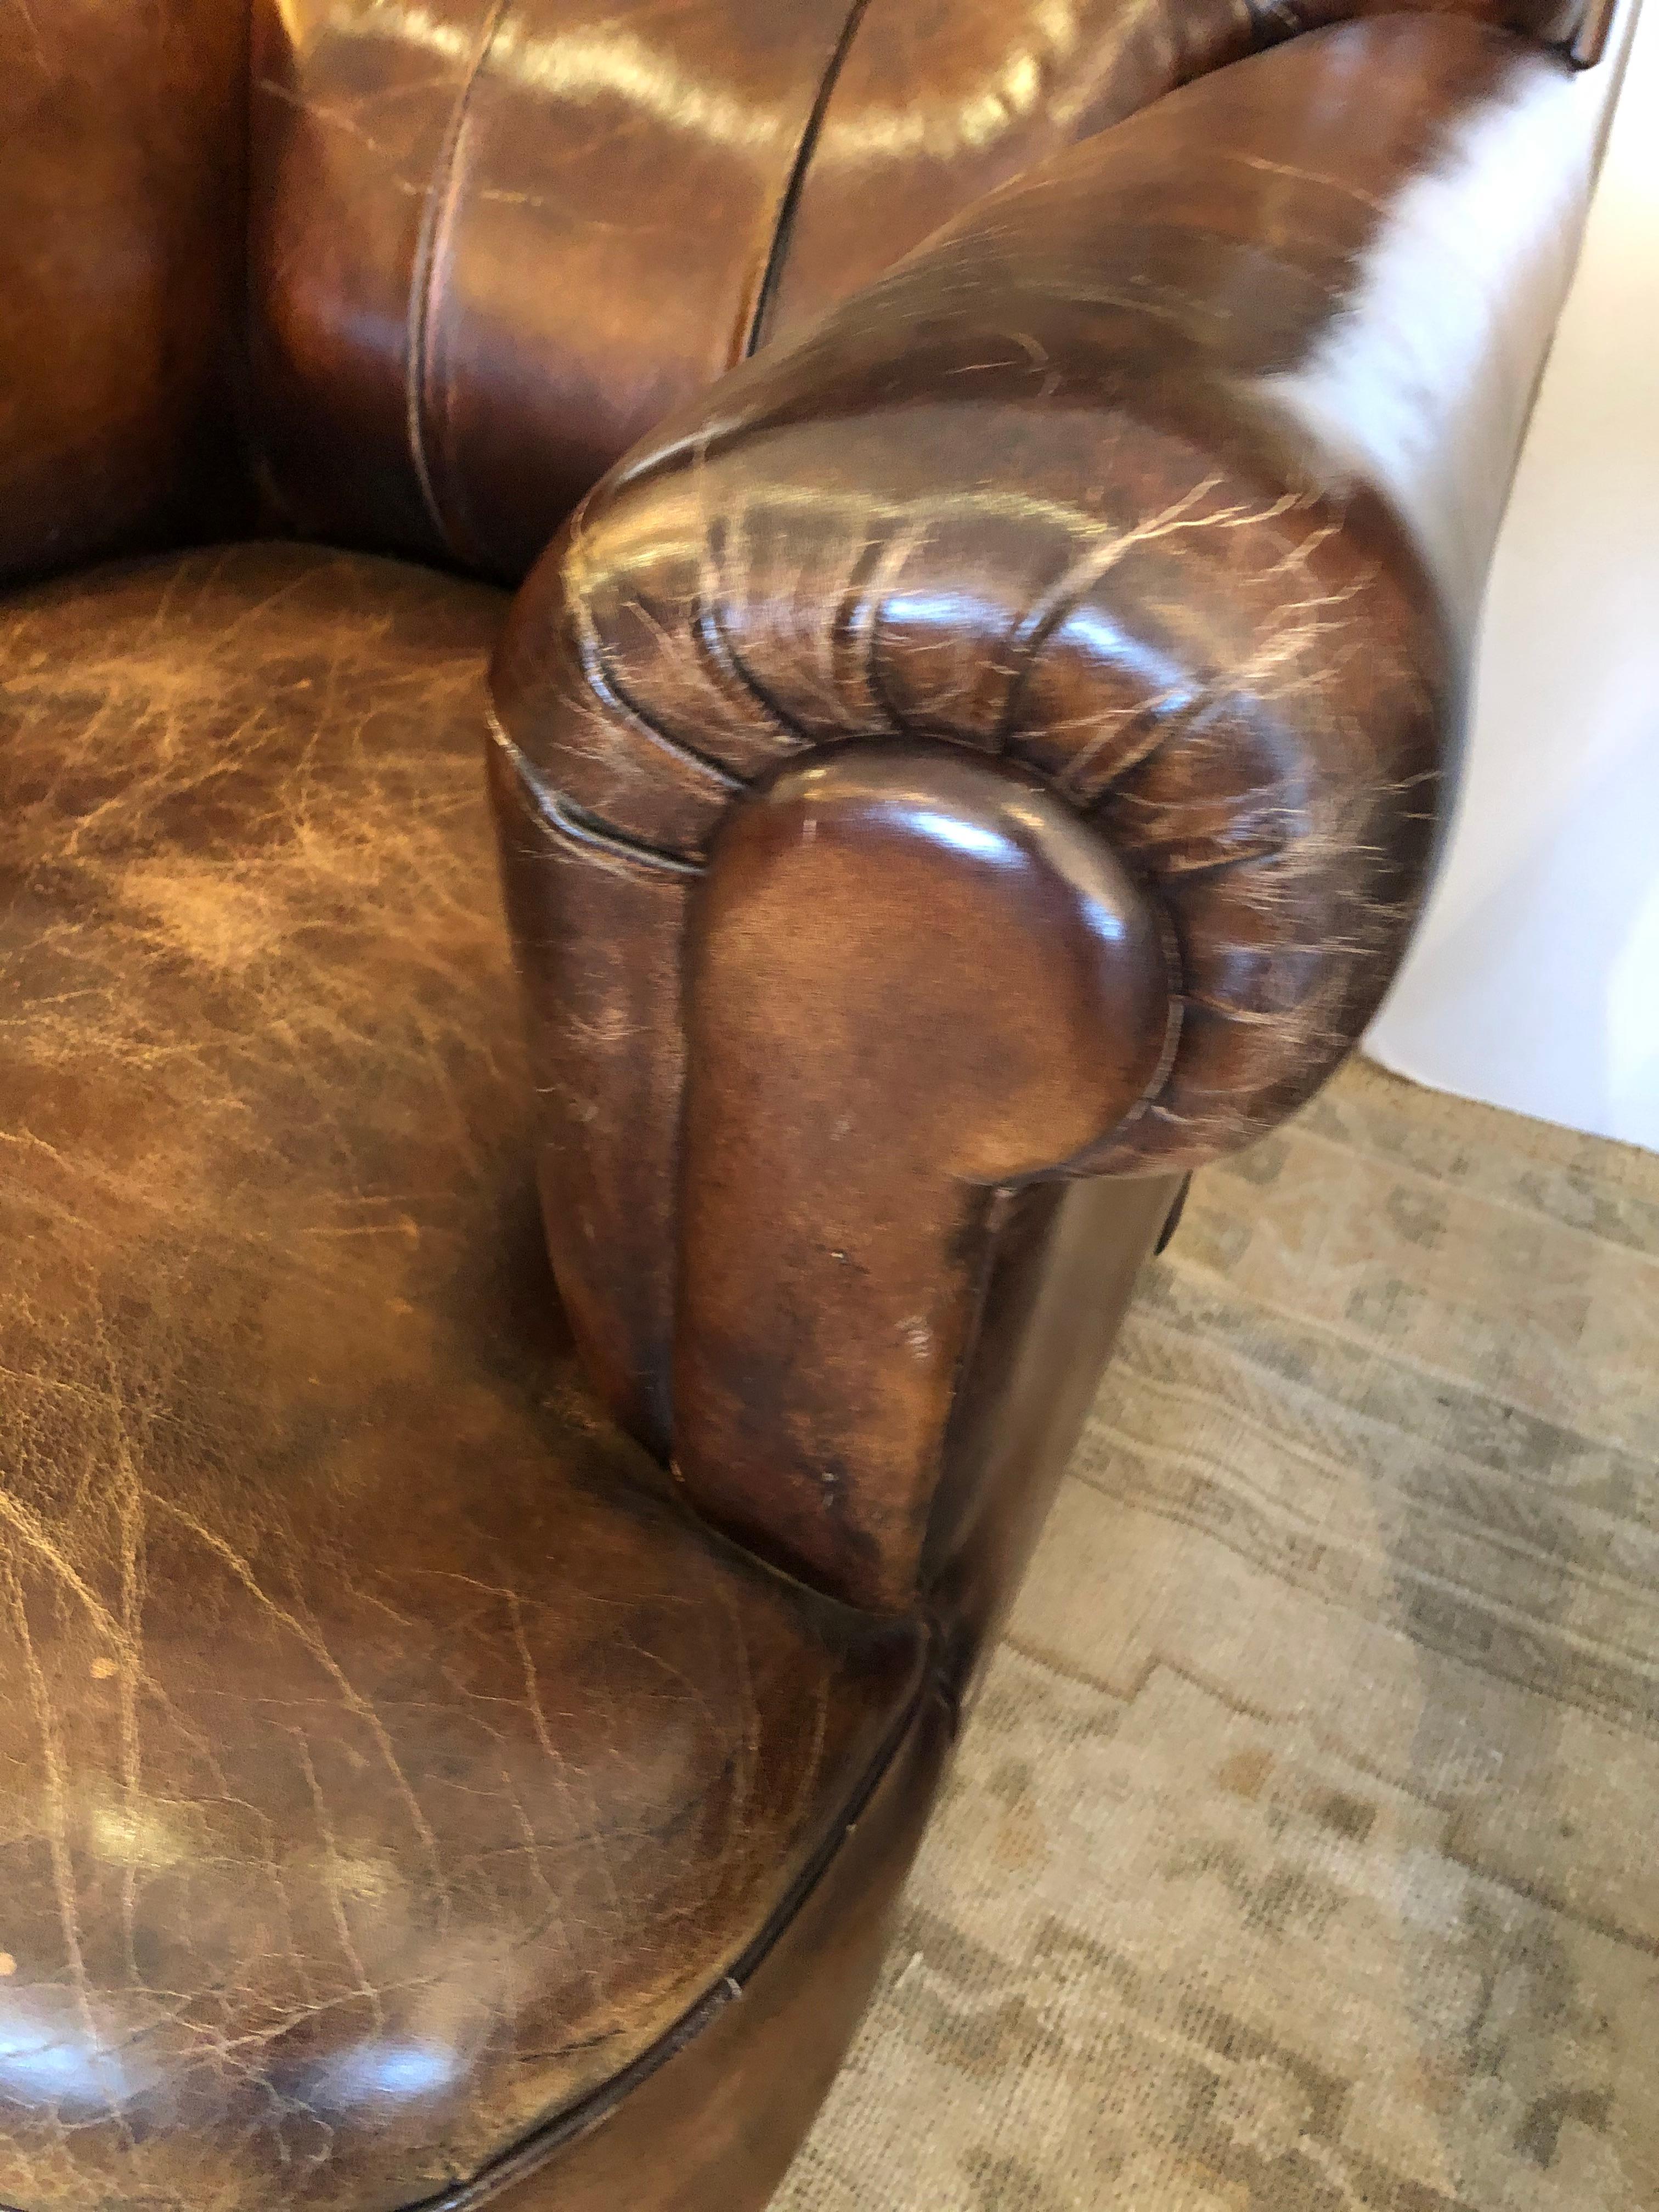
column 385, row 1761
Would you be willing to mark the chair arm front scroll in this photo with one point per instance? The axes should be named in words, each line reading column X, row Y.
column 997, row 736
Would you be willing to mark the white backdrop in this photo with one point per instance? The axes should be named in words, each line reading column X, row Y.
column 1534, row 983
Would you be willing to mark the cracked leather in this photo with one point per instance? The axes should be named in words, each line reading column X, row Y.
column 402, row 1795
column 1169, row 473
column 416, row 387
column 411, row 166
column 386, row 1762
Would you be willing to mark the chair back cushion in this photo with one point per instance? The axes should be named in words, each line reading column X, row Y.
column 494, row 242
column 121, row 131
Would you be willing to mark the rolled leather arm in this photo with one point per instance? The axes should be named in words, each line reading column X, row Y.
column 1172, row 471
column 1166, row 479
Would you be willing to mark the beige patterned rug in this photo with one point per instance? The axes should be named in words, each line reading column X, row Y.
column 1303, row 1853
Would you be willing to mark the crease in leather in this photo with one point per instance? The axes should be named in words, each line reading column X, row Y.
column 783, row 230
column 576, row 825
column 709, row 621
column 605, row 678
column 932, row 1685
column 425, row 276
column 711, row 639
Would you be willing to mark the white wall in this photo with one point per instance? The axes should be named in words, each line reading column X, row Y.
column 1534, row 981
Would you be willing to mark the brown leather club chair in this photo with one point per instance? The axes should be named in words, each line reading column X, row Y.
column 955, row 773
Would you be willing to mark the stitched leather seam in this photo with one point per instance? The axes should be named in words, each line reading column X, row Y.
column 423, row 276
column 783, row 229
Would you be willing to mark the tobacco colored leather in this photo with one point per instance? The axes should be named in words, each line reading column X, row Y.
column 1062, row 1265
column 709, row 2122
column 493, row 244
column 1170, row 474
column 120, row 266
column 934, row 107
column 598, row 930
column 405, row 1797
column 914, row 980
column 388, row 1762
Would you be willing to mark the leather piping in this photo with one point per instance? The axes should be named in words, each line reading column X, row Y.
column 424, row 276
column 784, row 230
column 574, row 824
column 547, row 2140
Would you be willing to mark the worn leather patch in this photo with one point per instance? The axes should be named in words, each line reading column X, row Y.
column 384, row 1763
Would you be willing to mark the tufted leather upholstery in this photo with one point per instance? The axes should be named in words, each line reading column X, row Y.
column 953, row 773
column 1171, row 471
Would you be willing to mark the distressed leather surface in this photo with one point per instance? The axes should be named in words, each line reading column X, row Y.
column 494, row 241
column 384, row 1761
column 935, row 106
column 914, row 980
column 392, row 1761
column 1169, row 473
column 121, row 152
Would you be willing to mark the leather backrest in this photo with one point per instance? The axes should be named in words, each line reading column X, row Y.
column 121, row 126
column 935, row 107
column 494, row 242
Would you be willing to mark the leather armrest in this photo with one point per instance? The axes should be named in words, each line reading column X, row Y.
column 1151, row 501
column 1172, row 471
column 120, row 260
